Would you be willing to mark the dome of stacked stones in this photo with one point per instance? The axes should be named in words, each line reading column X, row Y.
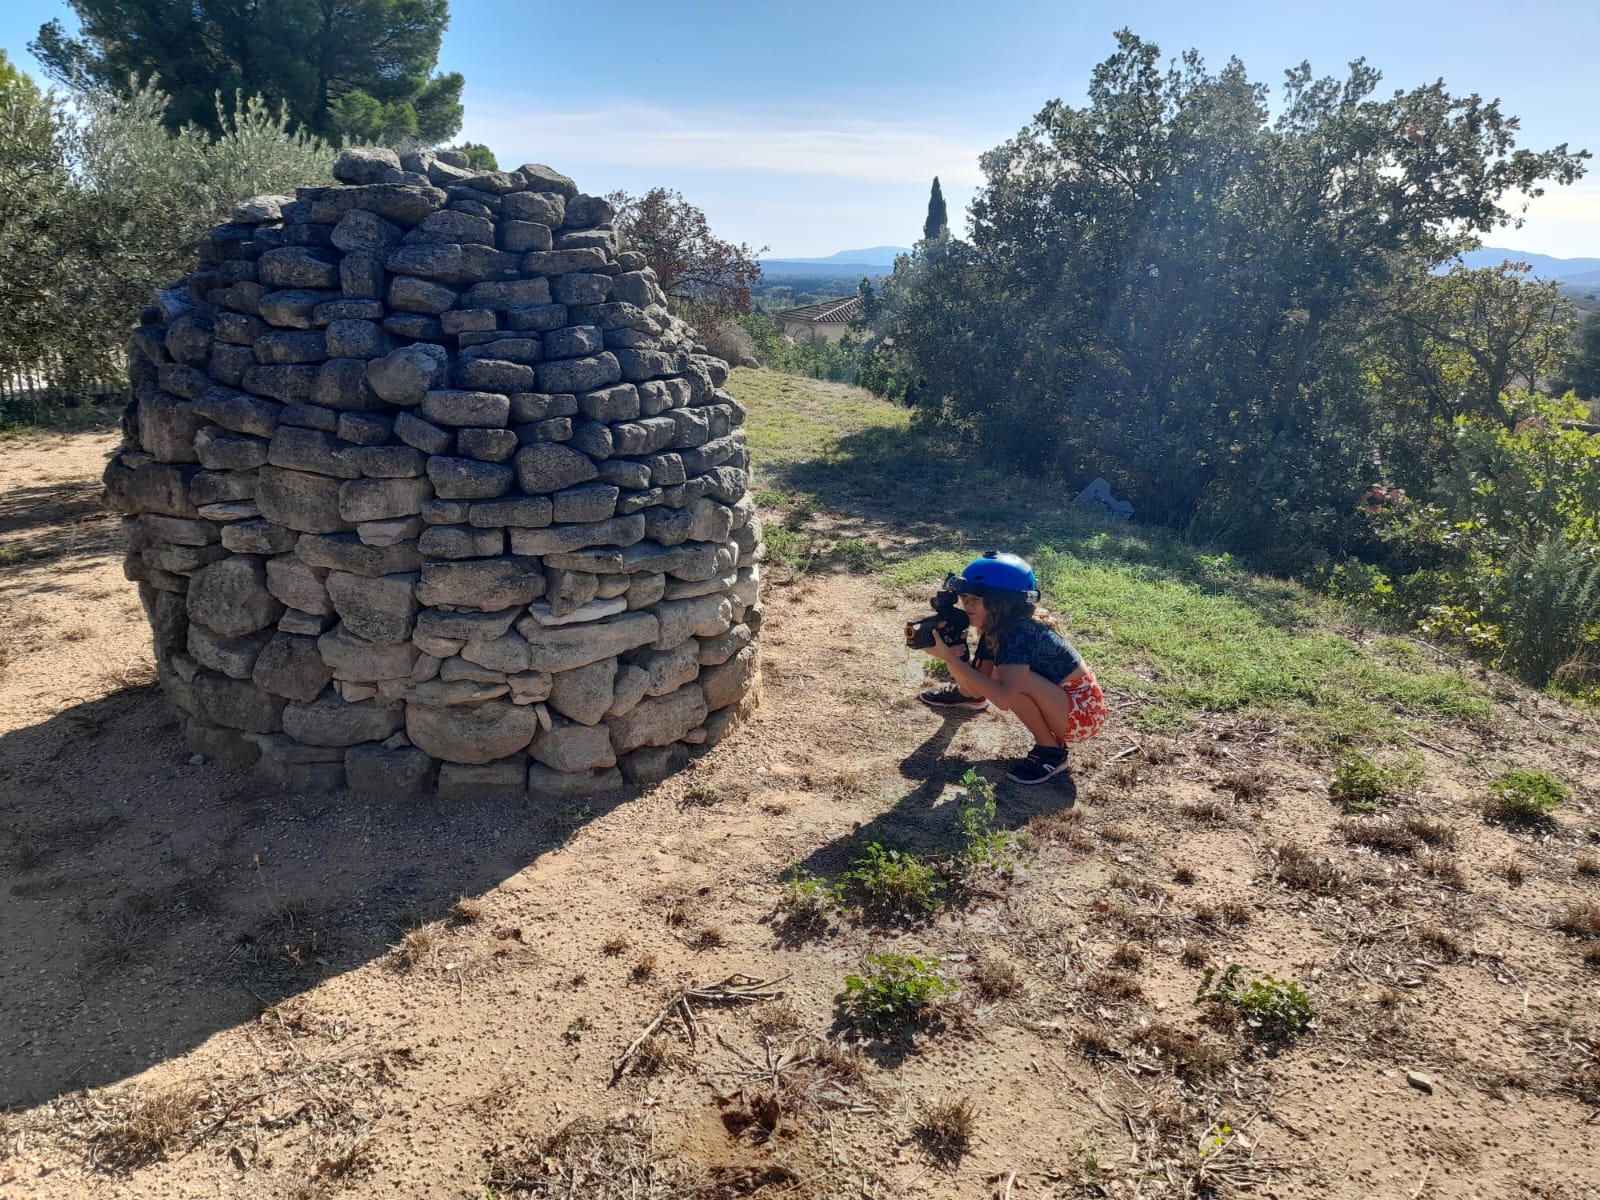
column 425, row 488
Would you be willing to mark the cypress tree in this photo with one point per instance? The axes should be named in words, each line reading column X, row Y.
column 938, row 223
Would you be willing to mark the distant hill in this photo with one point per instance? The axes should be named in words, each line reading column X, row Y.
column 874, row 262
column 1571, row 272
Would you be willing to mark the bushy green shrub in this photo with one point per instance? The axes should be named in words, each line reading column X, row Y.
column 1273, row 1008
column 894, row 991
column 895, row 881
column 1363, row 785
column 1525, row 796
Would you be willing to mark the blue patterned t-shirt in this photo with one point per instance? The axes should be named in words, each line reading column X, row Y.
column 1035, row 646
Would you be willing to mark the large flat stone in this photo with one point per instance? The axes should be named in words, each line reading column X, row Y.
column 291, row 666
column 380, row 609
column 330, row 720
column 565, row 647
column 476, row 734
column 659, row 721
column 489, row 584
column 357, row 660
column 231, row 596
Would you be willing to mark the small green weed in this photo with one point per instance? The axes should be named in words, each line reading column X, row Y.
column 807, row 899
column 1274, row 1008
column 894, row 991
column 771, row 498
column 575, row 1031
column 789, row 548
column 858, row 554
column 987, row 850
column 1524, row 797
column 1362, row 785
column 895, row 881
column 935, row 668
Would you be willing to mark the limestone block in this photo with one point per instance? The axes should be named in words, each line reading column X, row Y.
column 405, row 376
column 651, row 764
column 544, row 205
column 221, row 487
column 462, row 541
column 329, row 720
column 503, row 296
column 564, row 647
column 442, row 693
column 466, row 625
column 448, row 406
column 361, row 230
column 290, row 666
column 390, row 462
column 715, row 651
column 231, row 596
column 297, row 585
column 702, row 616
column 585, row 694
column 235, row 703
column 390, row 532
column 346, row 552
column 564, row 539
column 658, row 721
column 727, row 684
column 421, row 435
column 487, row 445
column 381, row 773
column 234, row 657
column 548, row 613
column 568, row 746
column 382, row 499
column 644, row 589
column 549, row 468
column 357, row 660
column 668, row 670
column 546, row 783
column 568, row 591
column 489, row 584
column 378, row 608
column 488, row 781
column 477, row 734
column 468, row 478
column 225, row 747
column 527, row 512
column 587, row 502
column 495, row 375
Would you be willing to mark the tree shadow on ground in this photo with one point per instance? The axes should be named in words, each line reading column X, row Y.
column 52, row 520
column 151, row 902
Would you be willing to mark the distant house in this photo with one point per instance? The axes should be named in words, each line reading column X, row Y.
column 825, row 322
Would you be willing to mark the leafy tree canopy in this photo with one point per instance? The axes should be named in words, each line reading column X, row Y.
column 478, row 155
column 705, row 277
column 360, row 70
column 12, row 78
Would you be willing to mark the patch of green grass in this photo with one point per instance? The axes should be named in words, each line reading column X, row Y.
column 858, row 554
column 790, row 548
column 1181, row 629
column 808, row 899
column 1362, row 785
column 1273, row 1008
column 893, row 993
column 771, row 498
column 894, row 881
column 1524, row 796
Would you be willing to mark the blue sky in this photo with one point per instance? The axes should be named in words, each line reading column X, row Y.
column 816, row 129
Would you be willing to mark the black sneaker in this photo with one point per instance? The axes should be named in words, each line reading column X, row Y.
column 1043, row 764
column 952, row 697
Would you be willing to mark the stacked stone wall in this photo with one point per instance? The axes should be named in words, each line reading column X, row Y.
column 424, row 487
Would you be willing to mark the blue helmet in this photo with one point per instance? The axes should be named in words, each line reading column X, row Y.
column 996, row 573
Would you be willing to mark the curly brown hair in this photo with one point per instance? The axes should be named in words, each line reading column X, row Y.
column 1002, row 610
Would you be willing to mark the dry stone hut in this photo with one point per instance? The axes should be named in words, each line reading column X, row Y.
column 424, row 487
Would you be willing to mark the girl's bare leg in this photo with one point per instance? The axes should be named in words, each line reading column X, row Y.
column 1042, row 706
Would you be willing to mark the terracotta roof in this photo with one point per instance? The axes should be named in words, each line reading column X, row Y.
column 828, row 312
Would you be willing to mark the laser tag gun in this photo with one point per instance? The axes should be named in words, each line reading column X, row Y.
column 948, row 622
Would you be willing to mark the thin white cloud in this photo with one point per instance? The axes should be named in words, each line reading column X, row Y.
column 1564, row 222
column 715, row 140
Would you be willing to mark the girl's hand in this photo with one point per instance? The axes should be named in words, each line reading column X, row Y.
column 945, row 652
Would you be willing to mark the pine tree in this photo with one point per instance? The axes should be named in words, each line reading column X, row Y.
column 356, row 69
column 938, row 223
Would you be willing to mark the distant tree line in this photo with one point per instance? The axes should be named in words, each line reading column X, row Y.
column 1241, row 322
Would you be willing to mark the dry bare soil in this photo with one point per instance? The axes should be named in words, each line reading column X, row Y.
column 209, row 989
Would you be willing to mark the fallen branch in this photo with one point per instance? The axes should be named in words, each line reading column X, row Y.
column 735, row 989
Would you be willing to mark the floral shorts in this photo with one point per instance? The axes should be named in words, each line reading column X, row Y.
column 1088, row 710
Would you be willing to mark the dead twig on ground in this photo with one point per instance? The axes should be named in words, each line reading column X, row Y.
column 735, row 989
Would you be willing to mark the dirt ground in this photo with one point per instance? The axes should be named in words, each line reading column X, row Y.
column 210, row 989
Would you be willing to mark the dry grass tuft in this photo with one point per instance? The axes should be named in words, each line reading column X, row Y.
column 614, row 946
column 1514, row 872
column 1183, row 874
column 1581, row 920
column 709, row 938
column 645, row 968
column 1094, row 1045
column 1296, row 867
column 1444, row 869
column 1440, row 939
column 1211, row 809
column 1112, row 985
column 1127, row 956
column 469, row 911
column 1591, row 957
column 149, row 1128
column 1194, row 954
column 1587, row 863
column 1120, row 776
column 657, row 1055
column 1116, row 835
column 778, row 1018
column 839, row 1063
column 415, row 948
column 946, row 1128
column 1190, row 1055
column 1431, row 832
column 995, row 979
column 1386, row 837
column 1248, row 784
column 1064, row 826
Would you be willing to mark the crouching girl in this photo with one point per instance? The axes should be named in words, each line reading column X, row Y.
column 1022, row 665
